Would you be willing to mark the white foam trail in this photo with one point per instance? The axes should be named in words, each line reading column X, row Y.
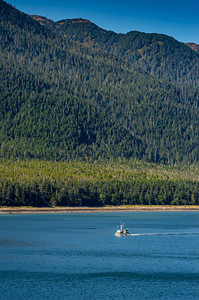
column 166, row 233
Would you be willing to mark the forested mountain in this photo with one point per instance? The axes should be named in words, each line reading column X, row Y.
column 193, row 46
column 61, row 99
column 160, row 55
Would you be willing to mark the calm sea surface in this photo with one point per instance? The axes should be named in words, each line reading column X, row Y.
column 77, row 256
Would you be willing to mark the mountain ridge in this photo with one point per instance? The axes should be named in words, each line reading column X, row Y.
column 193, row 46
column 41, row 19
column 158, row 54
column 62, row 100
column 44, row 21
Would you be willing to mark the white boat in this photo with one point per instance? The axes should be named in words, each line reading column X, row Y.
column 122, row 231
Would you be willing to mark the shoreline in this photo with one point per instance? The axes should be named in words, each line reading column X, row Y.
column 85, row 209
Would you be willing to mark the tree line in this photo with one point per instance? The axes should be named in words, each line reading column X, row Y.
column 39, row 183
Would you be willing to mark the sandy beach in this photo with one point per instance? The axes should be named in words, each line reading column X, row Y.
column 46, row 210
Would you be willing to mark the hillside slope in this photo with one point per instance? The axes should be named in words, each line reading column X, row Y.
column 160, row 55
column 63, row 100
column 193, row 46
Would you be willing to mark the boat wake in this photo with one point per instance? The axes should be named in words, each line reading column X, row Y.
column 165, row 233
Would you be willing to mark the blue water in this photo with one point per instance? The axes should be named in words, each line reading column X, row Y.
column 77, row 256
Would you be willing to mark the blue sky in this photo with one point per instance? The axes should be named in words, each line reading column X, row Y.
column 176, row 18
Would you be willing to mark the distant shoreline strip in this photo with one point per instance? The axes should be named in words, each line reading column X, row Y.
column 44, row 210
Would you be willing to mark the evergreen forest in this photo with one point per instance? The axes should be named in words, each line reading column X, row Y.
column 47, row 183
column 92, row 117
